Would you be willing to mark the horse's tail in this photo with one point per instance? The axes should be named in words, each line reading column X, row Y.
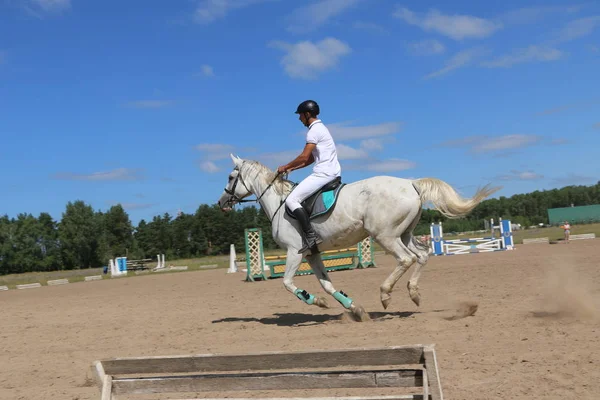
column 446, row 200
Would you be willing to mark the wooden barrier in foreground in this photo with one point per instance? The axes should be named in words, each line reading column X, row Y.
column 406, row 372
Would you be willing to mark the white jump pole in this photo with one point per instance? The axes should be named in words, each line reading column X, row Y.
column 232, row 257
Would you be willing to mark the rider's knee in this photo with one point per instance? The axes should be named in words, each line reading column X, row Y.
column 292, row 203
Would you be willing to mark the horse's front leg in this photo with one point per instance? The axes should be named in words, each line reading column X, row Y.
column 292, row 263
column 318, row 268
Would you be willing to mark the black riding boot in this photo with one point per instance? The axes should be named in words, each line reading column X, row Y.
column 310, row 239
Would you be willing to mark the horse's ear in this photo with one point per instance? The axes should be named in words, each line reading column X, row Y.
column 236, row 160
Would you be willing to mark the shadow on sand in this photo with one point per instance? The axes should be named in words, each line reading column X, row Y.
column 299, row 319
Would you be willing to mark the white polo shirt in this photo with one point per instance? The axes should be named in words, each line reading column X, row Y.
column 326, row 160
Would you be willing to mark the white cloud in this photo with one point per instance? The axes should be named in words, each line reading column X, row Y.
column 520, row 176
column 578, row 28
column 529, row 15
column 209, row 166
column 346, row 152
column 132, row 206
column 149, row 103
column 459, row 60
column 528, row 54
column 52, row 5
column 389, row 165
column 211, row 10
column 306, row 59
column 486, row 144
column 206, row 70
column 372, row 144
column 278, row 158
column 119, row 174
column 369, row 26
column 457, row 27
column 41, row 8
column 576, row 179
column 582, row 105
column 310, row 17
column 505, row 142
column 214, row 147
column 427, row 47
column 215, row 151
column 341, row 131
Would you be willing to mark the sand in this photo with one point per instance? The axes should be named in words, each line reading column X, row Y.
column 506, row 325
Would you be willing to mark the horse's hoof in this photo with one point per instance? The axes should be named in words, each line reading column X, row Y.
column 359, row 313
column 321, row 302
column 386, row 299
column 415, row 296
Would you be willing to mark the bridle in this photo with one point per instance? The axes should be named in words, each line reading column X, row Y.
column 235, row 199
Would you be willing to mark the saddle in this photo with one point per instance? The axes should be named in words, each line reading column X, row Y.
column 321, row 202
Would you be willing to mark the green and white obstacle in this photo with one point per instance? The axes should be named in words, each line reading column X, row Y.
column 361, row 256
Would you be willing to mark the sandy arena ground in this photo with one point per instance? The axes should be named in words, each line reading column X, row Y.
column 535, row 334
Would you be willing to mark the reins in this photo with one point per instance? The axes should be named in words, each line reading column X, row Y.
column 231, row 192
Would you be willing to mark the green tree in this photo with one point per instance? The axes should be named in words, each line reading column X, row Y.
column 118, row 231
column 79, row 233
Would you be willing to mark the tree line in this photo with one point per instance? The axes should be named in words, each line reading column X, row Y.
column 85, row 238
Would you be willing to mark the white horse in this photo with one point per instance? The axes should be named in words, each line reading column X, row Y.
column 383, row 207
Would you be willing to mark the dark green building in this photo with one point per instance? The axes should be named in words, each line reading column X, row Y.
column 581, row 214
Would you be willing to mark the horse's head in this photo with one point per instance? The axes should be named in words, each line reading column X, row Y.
column 236, row 189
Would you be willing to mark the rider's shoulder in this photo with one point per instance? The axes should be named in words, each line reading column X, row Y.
column 318, row 126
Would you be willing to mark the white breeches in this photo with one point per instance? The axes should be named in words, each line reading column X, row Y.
column 308, row 186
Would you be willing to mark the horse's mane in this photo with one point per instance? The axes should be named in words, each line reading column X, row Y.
column 281, row 186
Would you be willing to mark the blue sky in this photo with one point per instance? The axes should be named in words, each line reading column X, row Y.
column 140, row 103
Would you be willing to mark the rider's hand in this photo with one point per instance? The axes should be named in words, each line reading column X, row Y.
column 281, row 169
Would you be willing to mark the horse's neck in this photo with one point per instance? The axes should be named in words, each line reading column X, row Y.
column 270, row 200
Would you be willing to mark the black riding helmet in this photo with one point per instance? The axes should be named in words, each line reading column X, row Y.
column 308, row 106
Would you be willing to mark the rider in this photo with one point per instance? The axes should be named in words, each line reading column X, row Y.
column 320, row 149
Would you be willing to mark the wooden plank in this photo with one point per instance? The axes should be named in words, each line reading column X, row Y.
column 102, row 380
column 392, row 397
column 57, row 282
column 433, row 374
column 425, row 385
column 93, row 278
column 2, row 288
column 269, row 381
column 107, row 388
column 395, row 355
column 98, row 373
column 29, row 286
column 536, row 240
column 582, row 236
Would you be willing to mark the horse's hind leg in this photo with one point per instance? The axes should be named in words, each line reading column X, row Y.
column 421, row 250
column 405, row 258
column 318, row 268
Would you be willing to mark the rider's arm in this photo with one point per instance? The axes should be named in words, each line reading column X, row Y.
column 304, row 159
column 311, row 160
